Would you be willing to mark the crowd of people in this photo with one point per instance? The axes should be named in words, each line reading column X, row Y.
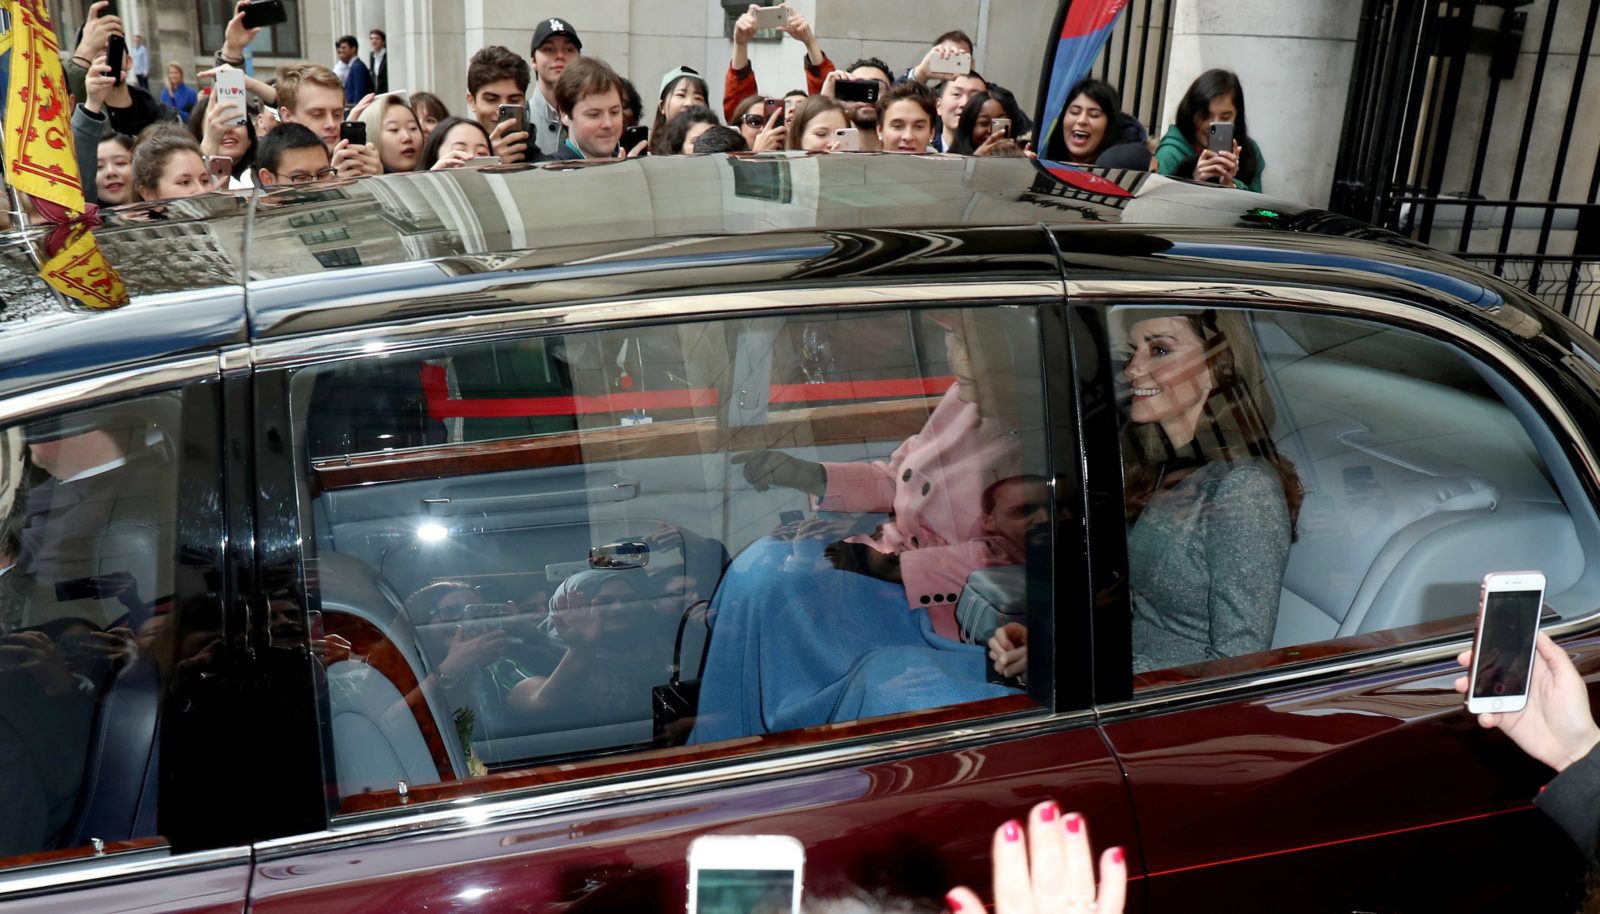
column 558, row 104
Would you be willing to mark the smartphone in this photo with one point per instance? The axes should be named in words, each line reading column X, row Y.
column 770, row 105
column 849, row 139
column 110, row 10
column 220, row 168
column 745, row 873
column 230, row 88
column 354, row 131
column 958, row 64
column 481, row 161
column 633, row 136
column 262, row 13
column 116, row 56
column 510, row 113
column 1509, row 605
column 1000, row 126
column 771, row 17
column 791, row 517
column 1221, row 138
column 862, row 90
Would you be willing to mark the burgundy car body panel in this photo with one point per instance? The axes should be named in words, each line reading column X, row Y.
column 918, row 825
column 219, row 890
column 1300, row 794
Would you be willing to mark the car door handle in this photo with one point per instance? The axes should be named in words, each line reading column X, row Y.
column 505, row 504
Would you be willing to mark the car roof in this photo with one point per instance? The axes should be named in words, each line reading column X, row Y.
column 219, row 270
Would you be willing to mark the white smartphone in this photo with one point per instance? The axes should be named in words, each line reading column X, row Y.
column 771, row 17
column 849, row 139
column 1509, row 606
column 958, row 64
column 1000, row 125
column 735, row 874
column 230, row 89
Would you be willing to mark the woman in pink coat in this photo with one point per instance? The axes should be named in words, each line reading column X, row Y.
column 808, row 632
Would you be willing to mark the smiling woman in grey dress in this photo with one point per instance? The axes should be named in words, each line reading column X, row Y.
column 1211, row 503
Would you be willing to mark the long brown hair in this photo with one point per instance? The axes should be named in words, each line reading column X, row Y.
column 1235, row 424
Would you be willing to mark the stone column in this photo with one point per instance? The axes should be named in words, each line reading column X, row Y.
column 1293, row 58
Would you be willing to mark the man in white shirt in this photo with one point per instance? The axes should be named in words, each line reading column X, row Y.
column 141, row 62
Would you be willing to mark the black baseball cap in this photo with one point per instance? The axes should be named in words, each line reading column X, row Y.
column 550, row 27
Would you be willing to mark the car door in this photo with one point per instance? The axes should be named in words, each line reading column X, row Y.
column 1322, row 761
column 111, row 604
column 618, row 431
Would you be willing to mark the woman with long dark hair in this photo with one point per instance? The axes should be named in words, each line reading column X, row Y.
column 1089, row 125
column 1216, row 95
column 1211, row 503
column 977, row 120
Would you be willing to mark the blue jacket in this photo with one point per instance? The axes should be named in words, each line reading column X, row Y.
column 357, row 83
column 180, row 101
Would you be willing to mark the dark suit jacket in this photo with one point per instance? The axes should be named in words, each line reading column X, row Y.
column 380, row 72
column 1573, row 801
column 357, row 84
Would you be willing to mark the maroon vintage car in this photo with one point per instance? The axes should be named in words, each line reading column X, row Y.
column 399, row 547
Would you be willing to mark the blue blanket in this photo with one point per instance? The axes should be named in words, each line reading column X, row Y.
column 797, row 643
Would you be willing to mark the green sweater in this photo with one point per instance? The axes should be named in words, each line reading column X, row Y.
column 1174, row 149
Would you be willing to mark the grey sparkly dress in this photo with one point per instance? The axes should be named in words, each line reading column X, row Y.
column 1205, row 562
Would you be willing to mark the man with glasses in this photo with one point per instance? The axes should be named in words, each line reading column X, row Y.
column 292, row 154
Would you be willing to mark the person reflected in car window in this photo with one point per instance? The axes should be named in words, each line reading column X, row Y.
column 797, row 619
column 617, row 646
column 1211, row 502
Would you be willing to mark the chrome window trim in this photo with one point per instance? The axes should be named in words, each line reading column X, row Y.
column 481, row 811
column 126, row 382
column 1250, row 295
column 502, row 322
column 113, row 868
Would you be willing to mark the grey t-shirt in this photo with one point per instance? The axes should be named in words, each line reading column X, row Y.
column 1205, row 563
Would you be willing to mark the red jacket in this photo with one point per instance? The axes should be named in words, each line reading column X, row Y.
column 741, row 84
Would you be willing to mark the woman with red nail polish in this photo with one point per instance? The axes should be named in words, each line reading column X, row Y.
column 1047, row 867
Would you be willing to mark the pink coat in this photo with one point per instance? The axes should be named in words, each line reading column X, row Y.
column 933, row 485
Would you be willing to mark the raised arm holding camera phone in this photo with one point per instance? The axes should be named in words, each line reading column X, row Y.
column 1554, row 725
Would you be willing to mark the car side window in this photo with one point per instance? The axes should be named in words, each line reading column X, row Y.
column 89, row 581
column 1300, row 486
column 746, row 536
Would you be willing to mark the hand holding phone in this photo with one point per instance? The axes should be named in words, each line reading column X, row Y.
column 262, row 13
column 633, row 136
column 1220, row 137
column 857, row 90
column 1000, row 126
column 117, row 57
column 510, row 113
column 1509, row 604
column 230, row 89
column 354, row 131
column 771, row 17
column 745, row 873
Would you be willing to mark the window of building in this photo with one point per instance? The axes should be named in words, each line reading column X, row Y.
column 282, row 40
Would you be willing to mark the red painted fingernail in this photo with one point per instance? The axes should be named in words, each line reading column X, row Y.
column 1074, row 823
column 1049, row 812
column 1116, row 855
column 953, row 903
column 1013, row 830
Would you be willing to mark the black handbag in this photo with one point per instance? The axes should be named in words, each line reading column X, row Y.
column 673, row 706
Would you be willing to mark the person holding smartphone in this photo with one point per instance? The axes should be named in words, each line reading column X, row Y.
column 1557, row 727
column 497, row 83
column 1215, row 95
column 740, row 81
column 310, row 94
